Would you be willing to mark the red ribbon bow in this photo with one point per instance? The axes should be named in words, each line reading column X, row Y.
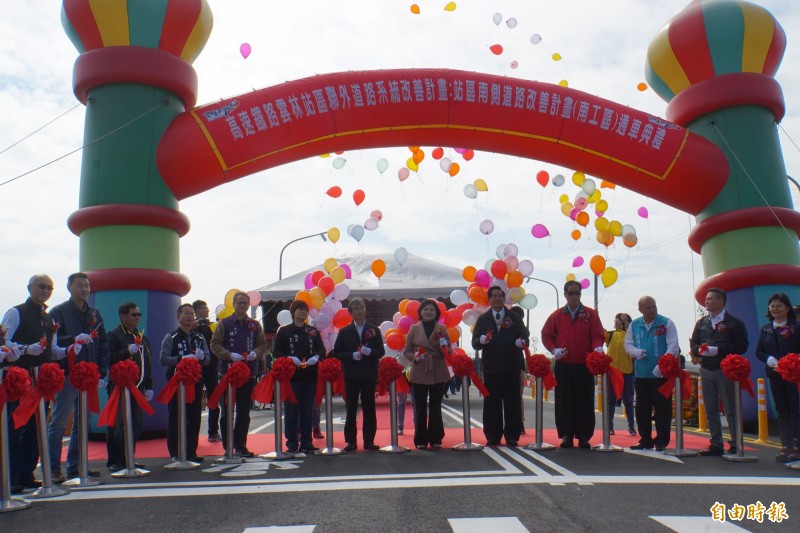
column 463, row 366
column 539, row 367
column 390, row 370
column 737, row 368
column 789, row 368
column 84, row 377
column 329, row 370
column 15, row 385
column 48, row 384
column 188, row 372
column 598, row 364
column 670, row 369
column 237, row 375
column 282, row 371
column 124, row 374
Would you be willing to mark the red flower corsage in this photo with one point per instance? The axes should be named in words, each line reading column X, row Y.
column 311, row 332
column 660, row 331
column 43, row 342
column 583, row 315
column 785, row 332
column 368, row 334
column 721, row 327
column 252, row 325
column 137, row 339
column 92, row 318
column 506, row 323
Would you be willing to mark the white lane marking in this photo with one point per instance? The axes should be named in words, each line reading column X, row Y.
column 280, row 529
column 259, row 428
column 457, row 415
column 525, row 463
column 506, row 524
column 501, row 461
column 652, row 454
column 691, row 524
column 547, row 462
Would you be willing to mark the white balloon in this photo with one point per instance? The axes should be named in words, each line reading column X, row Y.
column 385, row 326
column 500, row 283
column 497, row 19
column 458, row 297
column 470, row 316
column 350, row 229
column 514, row 295
column 627, row 229
column 510, row 249
column 382, row 165
column 322, row 321
column 536, row 38
column 470, row 191
column 487, row 266
column 284, row 317
column 396, row 318
column 444, row 164
column 218, row 309
column 341, row 292
column 400, row 255
column 357, row 233
column 511, row 23
column 370, row 224
column 529, row 301
column 339, row 162
column 558, row 180
column 525, row 267
column 589, row 186
column 333, row 305
column 486, row 227
column 499, row 251
column 511, row 262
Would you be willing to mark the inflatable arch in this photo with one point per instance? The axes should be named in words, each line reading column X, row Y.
column 713, row 63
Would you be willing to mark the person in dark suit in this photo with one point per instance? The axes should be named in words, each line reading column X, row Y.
column 501, row 337
column 359, row 347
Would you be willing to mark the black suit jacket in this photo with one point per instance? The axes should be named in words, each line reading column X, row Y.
column 348, row 342
column 501, row 355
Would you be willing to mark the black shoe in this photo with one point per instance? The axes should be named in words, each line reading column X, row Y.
column 309, row 449
column 566, row 442
column 372, row 447
column 138, row 465
column 511, row 443
column 584, row 444
column 732, row 450
column 437, row 446
column 17, row 489
column 115, row 467
column 291, row 448
column 214, row 437
column 58, row 477
column 421, row 446
column 89, row 472
column 197, row 459
column 243, row 452
column 351, row 447
column 660, row 448
column 493, row 442
column 713, row 451
column 32, row 484
column 641, row 446
column 611, row 432
column 631, row 432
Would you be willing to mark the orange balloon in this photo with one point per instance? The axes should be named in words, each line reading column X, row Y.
column 454, row 168
column 597, row 264
column 358, row 196
column 576, row 233
column 582, row 218
column 609, row 241
column 396, row 341
column 419, row 155
column 602, row 237
column 412, row 310
column 392, row 330
column 303, row 296
column 478, row 295
column 454, row 334
column 402, row 306
column 514, row 279
column 334, row 192
column 607, row 185
column 378, row 267
column 469, row 273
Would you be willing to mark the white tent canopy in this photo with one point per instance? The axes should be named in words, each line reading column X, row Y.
column 416, row 278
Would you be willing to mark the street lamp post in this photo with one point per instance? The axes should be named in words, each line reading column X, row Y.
column 280, row 258
column 545, row 281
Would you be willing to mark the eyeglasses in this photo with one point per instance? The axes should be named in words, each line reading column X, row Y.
column 134, row 314
column 573, row 293
column 44, row 287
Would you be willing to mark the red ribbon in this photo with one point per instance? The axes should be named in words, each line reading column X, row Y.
column 16, row 384
column 539, row 367
column 390, row 370
column 237, row 375
column 329, row 370
column 737, row 368
column 84, row 377
column 463, row 366
column 670, row 369
column 282, row 372
column 598, row 364
column 789, row 368
column 124, row 375
column 188, row 372
column 49, row 383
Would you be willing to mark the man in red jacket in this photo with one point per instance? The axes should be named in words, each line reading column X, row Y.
column 569, row 334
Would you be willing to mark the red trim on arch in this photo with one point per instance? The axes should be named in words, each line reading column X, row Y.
column 149, row 279
column 133, row 64
column 728, row 90
column 744, row 277
column 127, row 215
column 751, row 217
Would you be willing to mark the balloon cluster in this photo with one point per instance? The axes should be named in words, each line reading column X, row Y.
column 224, row 310
column 395, row 330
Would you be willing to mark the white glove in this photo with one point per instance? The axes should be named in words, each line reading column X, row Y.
column 657, row 372
column 312, row 360
column 296, row 361
column 57, row 355
column 34, row 349
column 101, row 383
column 252, row 356
column 711, row 351
column 83, row 338
column 235, row 357
column 3, row 352
column 442, row 342
column 148, row 395
column 418, row 356
column 772, row 362
column 357, row 356
column 76, row 348
column 558, row 353
column 199, row 354
column 640, row 354
column 519, row 343
column 599, row 349
column 13, row 352
column 366, row 350
column 133, row 348
column 484, row 340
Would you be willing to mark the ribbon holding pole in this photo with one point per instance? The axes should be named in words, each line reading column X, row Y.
column 598, row 364
column 124, row 374
column 539, row 367
column 390, row 370
column 463, row 366
column 737, row 368
column 188, row 372
column 84, row 377
column 237, row 375
column 48, row 384
column 670, row 369
column 329, row 370
column 282, row 372
column 15, row 386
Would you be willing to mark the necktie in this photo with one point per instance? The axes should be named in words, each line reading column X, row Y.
column 497, row 316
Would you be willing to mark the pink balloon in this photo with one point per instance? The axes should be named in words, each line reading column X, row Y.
column 585, row 283
column 396, row 318
column 377, row 215
column 405, row 324
column 599, row 213
column 539, row 231
column 245, row 50
column 482, row 278
column 578, row 261
column 581, row 203
column 574, row 213
column 308, row 283
column 643, row 212
column 348, row 274
column 403, row 174
column 460, row 150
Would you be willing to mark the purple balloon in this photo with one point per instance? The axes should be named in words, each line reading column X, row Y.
column 348, row 274
column 245, row 50
column 578, row 261
column 539, row 231
column 585, row 283
column 643, row 212
column 308, row 283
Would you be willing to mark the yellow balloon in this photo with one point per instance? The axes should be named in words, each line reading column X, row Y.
column 615, row 228
column 480, row 185
column 609, row 276
column 333, row 234
column 601, row 206
column 563, row 198
column 570, row 277
column 225, row 313
column 229, row 295
column 324, row 155
column 556, row 57
column 563, row 83
column 451, row 6
column 595, row 196
column 338, row 274
column 578, row 178
column 567, row 208
column 411, row 164
column 331, row 263
column 601, row 224
column 213, row 327
column 317, row 297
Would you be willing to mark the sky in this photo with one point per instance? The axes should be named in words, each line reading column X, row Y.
column 603, row 48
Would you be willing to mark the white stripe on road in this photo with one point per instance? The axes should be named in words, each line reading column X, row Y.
column 458, row 416
column 506, row 524
column 280, row 529
column 547, row 462
column 524, row 462
column 259, row 428
column 691, row 524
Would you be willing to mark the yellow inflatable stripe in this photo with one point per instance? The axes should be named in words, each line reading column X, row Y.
column 197, row 39
column 759, row 29
column 664, row 63
column 112, row 21
column 211, row 142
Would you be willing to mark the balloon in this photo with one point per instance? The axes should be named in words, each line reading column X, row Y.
column 609, row 276
column 630, row 240
column 358, row 196
column 400, row 255
column 405, row 324
column 322, row 321
column 515, row 279
column 570, row 277
column 316, row 276
column 458, row 297
column 334, row 192
column 627, row 229
column 581, row 203
column 585, row 283
column 536, row 38
column 437, row 153
column 514, row 295
column 542, row 177
column 589, row 186
column 576, row 233
column 478, row 295
column 284, row 317
column 219, row 309
column 342, row 318
column 454, row 333
column 499, row 269
column 453, row 170
column 370, row 224
column 525, row 267
column 303, row 296
column 348, row 274
column 403, row 174
column 642, row 212
column 411, row 164
column 377, row 215
column 510, row 249
column 482, row 279
column 597, row 263
column 444, row 164
column 308, row 282
column 229, row 297
column 470, row 316
column 601, row 224
column 558, row 180
column 511, row 23
column 566, row 208
column 605, row 238
column 245, row 50
column 512, row 263
column 442, row 309
column 395, row 341
column 333, row 234
column 341, row 291
column 486, row 227
column 412, row 310
column 470, row 191
column 468, row 155
column 468, row 273
column 582, row 218
column 641, row 86
column 615, row 228
column 337, row 274
column 418, row 156
column 539, row 231
column 357, row 233
column 326, row 283
column 496, row 49
column 480, row 185
column 255, row 298
column 378, row 268
column 385, row 326
column 402, row 306
column 595, row 196
column 578, row 178
column 497, row 19
column 225, row 313
column 529, row 301
column 556, row 57
column 382, row 165
column 339, row 163
column 317, row 296
column 329, row 264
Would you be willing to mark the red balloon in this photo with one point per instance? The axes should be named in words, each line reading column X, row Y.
column 326, row 283
column 543, row 178
column 496, row 49
column 442, row 309
column 395, row 341
column 316, row 276
column 499, row 269
column 334, row 192
column 342, row 318
column 452, row 317
column 465, row 307
column 358, row 196
column 412, row 310
column 437, row 153
column 468, row 155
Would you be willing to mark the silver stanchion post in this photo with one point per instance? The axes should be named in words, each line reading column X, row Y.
column 467, row 445
column 130, row 469
column 279, row 454
column 393, row 447
column 539, row 446
column 83, row 479
column 739, row 456
column 606, row 446
column 47, row 490
column 329, row 449
column 182, row 463
column 679, row 450
column 7, row 503
column 228, row 458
